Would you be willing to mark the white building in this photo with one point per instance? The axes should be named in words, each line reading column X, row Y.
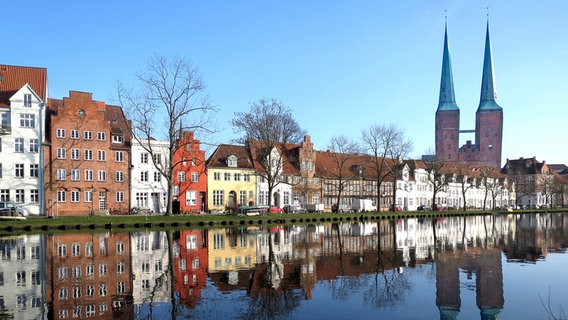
column 149, row 188
column 23, row 92
column 282, row 192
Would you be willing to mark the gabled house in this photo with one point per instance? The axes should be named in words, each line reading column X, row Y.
column 231, row 179
column 23, row 93
column 190, row 176
column 87, row 157
column 533, row 181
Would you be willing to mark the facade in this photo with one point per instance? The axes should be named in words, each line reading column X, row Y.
column 190, row 266
column 190, row 176
column 231, row 179
column 534, row 182
column 23, row 93
column 489, row 117
column 87, row 157
column 149, row 188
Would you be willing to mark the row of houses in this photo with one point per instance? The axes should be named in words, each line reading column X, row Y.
column 76, row 156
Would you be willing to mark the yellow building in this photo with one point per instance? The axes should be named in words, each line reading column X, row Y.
column 231, row 179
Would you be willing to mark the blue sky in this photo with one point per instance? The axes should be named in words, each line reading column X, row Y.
column 341, row 66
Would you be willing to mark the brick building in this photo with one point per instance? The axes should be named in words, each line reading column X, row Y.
column 488, row 120
column 87, row 157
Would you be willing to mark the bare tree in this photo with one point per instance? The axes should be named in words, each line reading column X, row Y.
column 267, row 127
column 342, row 155
column 436, row 177
column 464, row 178
column 387, row 145
column 170, row 100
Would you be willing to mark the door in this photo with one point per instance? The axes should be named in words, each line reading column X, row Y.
column 102, row 200
column 155, row 202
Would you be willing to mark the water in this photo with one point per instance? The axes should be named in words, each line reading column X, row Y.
column 480, row 267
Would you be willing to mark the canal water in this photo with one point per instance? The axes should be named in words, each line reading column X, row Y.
column 479, row 267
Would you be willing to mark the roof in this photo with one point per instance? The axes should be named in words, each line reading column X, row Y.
column 288, row 152
column 523, row 166
column 218, row 158
column 119, row 125
column 488, row 99
column 447, row 96
column 12, row 78
column 354, row 166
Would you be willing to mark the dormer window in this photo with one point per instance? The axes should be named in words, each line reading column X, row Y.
column 117, row 139
column 232, row 161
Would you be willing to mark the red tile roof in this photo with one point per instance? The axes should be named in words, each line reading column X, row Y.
column 219, row 157
column 13, row 78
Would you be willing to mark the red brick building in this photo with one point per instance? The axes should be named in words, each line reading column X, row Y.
column 190, row 177
column 488, row 120
column 190, row 266
column 87, row 157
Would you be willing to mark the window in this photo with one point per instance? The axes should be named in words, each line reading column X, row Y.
column 120, row 247
column 88, row 135
column 75, row 249
column 217, row 176
column 157, row 177
column 227, row 176
column 88, row 175
column 218, row 197
column 5, row 195
column 103, row 290
column 60, row 133
column 88, row 196
column 74, row 134
column 141, row 199
column 119, row 156
column 232, row 161
column 61, row 153
column 89, row 250
column 27, row 100
column 62, row 272
column 117, row 139
column 191, row 198
column 242, row 197
column 34, row 195
column 88, row 154
column 119, row 176
column 75, row 154
column 61, row 196
column 102, row 175
column 120, row 196
column 144, row 157
column 120, row 268
column 181, row 176
column 101, row 155
column 176, row 190
column 103, row 269
column 20, row 196
column 158, row 158
column 75, row 175
column 120, row 287
column 61, row 174
column 101, row 136
column 62, row 251
column 19, row 173
column 237, row 177
column 34, row 145
column 247, row 177
column 195, row 177
column 75, row 196
column 144, row 176
column 27, row 120
column 90, row 310
column 63, row 295
column 19, row 145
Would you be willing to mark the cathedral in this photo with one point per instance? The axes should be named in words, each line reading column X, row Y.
column 488, row 118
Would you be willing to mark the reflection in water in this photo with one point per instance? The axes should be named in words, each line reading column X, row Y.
column 269, row 273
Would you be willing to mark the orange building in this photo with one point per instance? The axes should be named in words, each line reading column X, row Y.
column 190, row 178
column 87, row 157
column 190, row 266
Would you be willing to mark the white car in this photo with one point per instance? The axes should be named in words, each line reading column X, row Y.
column 9, row 208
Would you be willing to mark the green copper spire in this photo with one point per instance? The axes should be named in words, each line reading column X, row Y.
column 447, row 97
column 488, row 100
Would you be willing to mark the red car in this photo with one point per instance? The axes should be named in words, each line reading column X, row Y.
column 274, row 209
column 395, row 208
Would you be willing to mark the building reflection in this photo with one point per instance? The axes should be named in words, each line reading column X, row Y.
column 88, row 275
column 140, row 274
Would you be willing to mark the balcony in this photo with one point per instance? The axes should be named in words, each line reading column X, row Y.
column 5, row 129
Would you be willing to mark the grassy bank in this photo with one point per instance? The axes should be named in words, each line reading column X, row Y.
column 129, row 223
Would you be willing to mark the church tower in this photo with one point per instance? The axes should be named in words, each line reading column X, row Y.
column 448, row 113
column 488, row 120
column 489, row 115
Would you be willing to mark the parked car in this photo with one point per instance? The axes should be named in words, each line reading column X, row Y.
column 342, row 207
column 363, row 205
column 292, row 208
column 9, row 208
column 315, row 207
column 275, row 209
column 439, row 207
column 424, row 207
column 395, row 208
